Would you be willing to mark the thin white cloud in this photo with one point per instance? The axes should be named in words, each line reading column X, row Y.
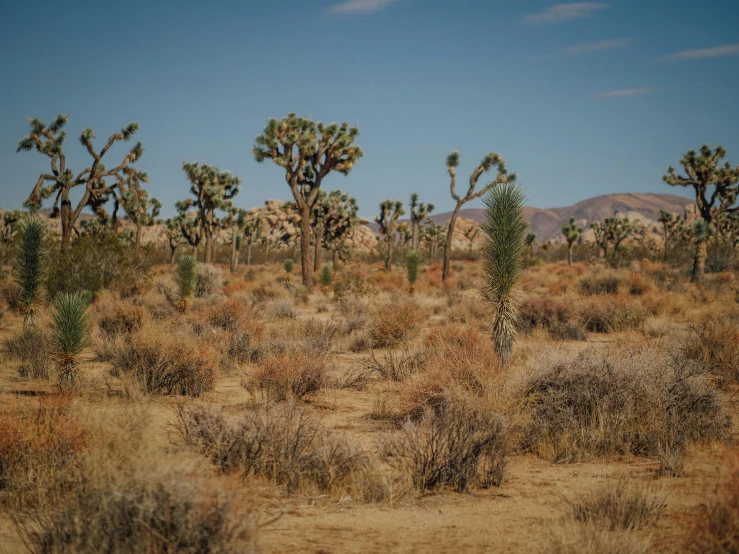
column 597, row 46
column 561, row 13
column 359, row 7
column 619, row 93
column 704, row 53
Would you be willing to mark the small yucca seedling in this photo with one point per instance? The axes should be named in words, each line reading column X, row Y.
column 186, row 278
column 70, row 334
column 31, row 268
column 289, row 265
column 412, row 265
column 505, row 233
column 327, row 276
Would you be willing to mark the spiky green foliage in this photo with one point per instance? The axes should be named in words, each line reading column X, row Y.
column 32, row 258
column 327, row 276
column 490, row 161
column 701, row 231
column 505, row 231
column 212, row 190
column 572, row 232
column 308, row 151
column 289, row 265
column 70, row 334
column 98, row 181
column 390, row 211
column 186, row 278
column 413, row 266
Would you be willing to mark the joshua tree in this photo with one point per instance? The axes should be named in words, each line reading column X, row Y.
column 190, row 228
column 327, row 276
column 235, row 221
column 601, row 238
column 505, row 231
column 671, row 224
column 572, row 232
column 435, row 237
column 390, row 211
column 418, row 214
column 727, row 228
column 404, row 234
column 10, row 220
column 617, row 230
column 49, row 140
column 141, row 209
column 175, row 238
column 252, row 235
column 701, row 232
column 471, row 234
column 70, row 334
column 186, row 278
column 309, row 152
column 487, row 163
column 213, row 190
column 412, row 265
column 716, row 190
column 341, row 221
column 31, row 268
column 530, row 240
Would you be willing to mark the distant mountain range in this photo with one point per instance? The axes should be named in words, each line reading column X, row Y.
column 547, row 222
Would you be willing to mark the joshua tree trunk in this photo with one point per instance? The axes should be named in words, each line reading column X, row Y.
column 305, row 233
column 448, row 246
column 172, row 253
column 317, row 258
column 335, row 258
column 138, row 237
column 234, row 253
column 569, row 253
column 665, row 255
column 699, row 265
column 248, row 253
column 389, row 258
column 414, row 235
column 208, row 232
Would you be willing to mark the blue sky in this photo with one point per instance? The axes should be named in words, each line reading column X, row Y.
column 580, row 99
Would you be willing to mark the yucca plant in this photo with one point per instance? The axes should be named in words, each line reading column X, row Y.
column 31, row 268
column 505, row 234
column 186, row 278
column 70, row 334
column 702, row 231
column 412, row 265
column 289, row 265
column 327, row 276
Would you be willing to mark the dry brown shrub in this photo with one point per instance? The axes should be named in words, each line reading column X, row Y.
column 114, row 316
column 601, row 282
column 612, row 314
column 715, row 529
column 167, row 360
column 387, row 281
column 283, row 443
column 34, row 347
column 629, row 402
column 289, row 376
column 640, row 285
column 396, row 322
column 619, row 506
column 545, row 312
column 714, row 342
column 36, row 446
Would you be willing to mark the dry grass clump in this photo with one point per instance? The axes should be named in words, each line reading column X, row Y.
column 453, row 445
column 237, row 320
column 167, row 361
column 394, row 365
column 116, row 317
column 36, row 445
column 396, row 322
column 618, row 507
column 602, row 282
column 34, row 347
column 578, row 538
column 288, row 376
column 608, row 315
column 714, row 342
column 282, row 443
column 356, row 312
column 715, row 529
column 209, row 280
column 282, row 309
column 634, row 402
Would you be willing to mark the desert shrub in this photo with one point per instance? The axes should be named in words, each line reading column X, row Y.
column 282, row 443
column 633, row 403
column 132, row 515
column 360, row 343
column 579, row 538
column 36, row 445
column 167, row 361
column 395, row 323
column 640, row 285
column 96, row 262
column 618, row 507
column 544, row 312
column 116, row 317
column 715, row 529
column 351, row 283
column 355, row 311
column 209, row 280
column 595, row 284
column 282, row 309
column 714, row 342
column 394, row 365
column 571, row 330
column 451, row 446
column 34, row 347
column 610, row 315
column 327, row 276
column 289, row 376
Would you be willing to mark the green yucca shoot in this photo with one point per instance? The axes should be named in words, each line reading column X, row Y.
column 505, row 234
column 70, row 334
column 31, row 268
column 186, row 278
column 412, row 265
column 289, row 265
column 327, row 276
